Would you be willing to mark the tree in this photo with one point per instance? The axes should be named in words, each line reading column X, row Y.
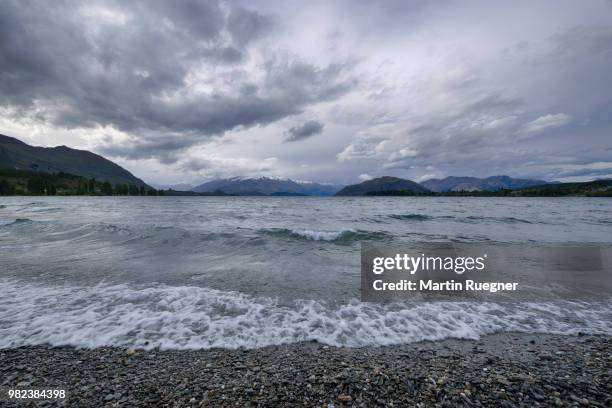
column 124, row 189
column 91, row 188
column 36, row 185
column 107, row 189
column 6, row 188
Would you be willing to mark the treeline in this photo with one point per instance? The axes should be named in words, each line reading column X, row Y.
column 392, row 193
column 92, row 187
column 21, row 182
column 597, row 188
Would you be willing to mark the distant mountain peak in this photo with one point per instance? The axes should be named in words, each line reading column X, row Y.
column 266, row 185
column 492, row 183
column 242, row 178
column 381, row 185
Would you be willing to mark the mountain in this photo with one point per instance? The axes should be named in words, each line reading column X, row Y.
column 266, row 186
column 383, row 186
column 493, row 183
column 17, row 155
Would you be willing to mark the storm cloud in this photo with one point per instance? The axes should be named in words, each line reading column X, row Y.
column 170, row 74
column 304, row 131
column 184, row 91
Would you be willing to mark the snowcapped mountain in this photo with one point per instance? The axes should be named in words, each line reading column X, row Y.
column 267, row 186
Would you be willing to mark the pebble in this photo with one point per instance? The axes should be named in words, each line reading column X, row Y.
column 344, row 398
column 499, row 374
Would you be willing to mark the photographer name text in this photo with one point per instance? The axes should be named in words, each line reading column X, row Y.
column 431, row 264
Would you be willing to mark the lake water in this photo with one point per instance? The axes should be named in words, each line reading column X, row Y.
column 199, row 272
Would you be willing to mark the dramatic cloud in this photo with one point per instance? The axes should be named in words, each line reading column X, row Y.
column 304, row 131
column 188, row 90
column 170, row 74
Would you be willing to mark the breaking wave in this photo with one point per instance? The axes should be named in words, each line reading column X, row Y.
column 189, row 317
column 343, row 235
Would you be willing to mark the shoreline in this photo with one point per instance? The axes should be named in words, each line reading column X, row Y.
column 505, row 369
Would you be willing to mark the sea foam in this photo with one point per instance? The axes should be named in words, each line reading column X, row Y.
column 189, row 317
column 317, row 235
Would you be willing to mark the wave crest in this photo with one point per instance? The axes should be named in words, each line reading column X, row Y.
column 338, row 236
column 196, row 318
column 316, row 235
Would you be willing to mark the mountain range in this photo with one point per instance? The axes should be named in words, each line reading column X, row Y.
column 17, row 155
column 493, row 183
column 266, row 186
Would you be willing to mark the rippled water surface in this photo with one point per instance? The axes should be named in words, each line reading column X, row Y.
column 191, row 272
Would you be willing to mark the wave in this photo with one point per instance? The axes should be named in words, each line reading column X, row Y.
column 414, row 217
column 22, row 220
column 343, row 235
column 104, row 233
column 469, row 219
column 44, row 210
column 32, row 205
column 17, row 222
column 508, row 220
column 101, row 239
column 199, row 318
column 316, row 235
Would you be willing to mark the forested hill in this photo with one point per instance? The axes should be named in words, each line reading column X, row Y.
column 17, row 155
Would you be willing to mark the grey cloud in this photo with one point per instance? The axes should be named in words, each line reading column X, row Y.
column 485, row 129
column 582, row 41
column 477, row 119
column 165, row 148
column 304, row 131
column 201, row 19
column 196, row 164
column 215, row 167
column 585, row 171
column 303, row 81
column 448, row 89
column 135, row 72
column 245, row 25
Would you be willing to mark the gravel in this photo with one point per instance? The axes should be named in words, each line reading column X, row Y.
column 502, row 370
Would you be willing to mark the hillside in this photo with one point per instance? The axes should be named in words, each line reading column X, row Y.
column 596, row 188
column 492, row 183
column 26, row 182
column 17, row 155
column 383, row 186
column 266, row 186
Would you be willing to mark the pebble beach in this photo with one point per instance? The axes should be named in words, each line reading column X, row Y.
column 502, row 370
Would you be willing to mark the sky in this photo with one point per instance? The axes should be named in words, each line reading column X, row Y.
column 330, row 91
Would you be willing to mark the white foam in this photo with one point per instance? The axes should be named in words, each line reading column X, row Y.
column 194, row 318
column 317, row 235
